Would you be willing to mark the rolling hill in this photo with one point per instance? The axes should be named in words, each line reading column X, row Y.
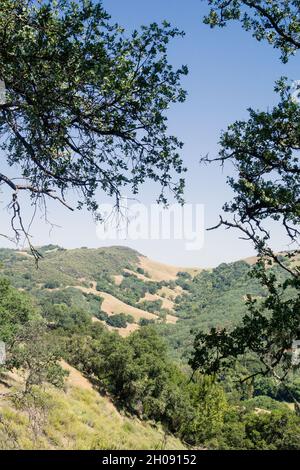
column 115, row 280
column 118, row 282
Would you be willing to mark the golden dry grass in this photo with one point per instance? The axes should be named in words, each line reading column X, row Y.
column 163, row 272
column 251, row 260
column 140, row 276
column 112, row 305
column 75, row 378
column 130, row 328
column 170, row 294
column 78, row 418
column 158, row 271
column 118, row 278
column 166, row 303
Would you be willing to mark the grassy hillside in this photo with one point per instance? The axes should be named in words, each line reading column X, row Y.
column 103, row 282
column 65, row 267
column 212, row 298
column 76, row 418
column 120, row 287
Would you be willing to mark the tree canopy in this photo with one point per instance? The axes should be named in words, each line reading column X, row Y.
column 84, row 104
column 274, row 21
column 264, row 151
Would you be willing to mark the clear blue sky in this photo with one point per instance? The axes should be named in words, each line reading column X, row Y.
column 228, row 72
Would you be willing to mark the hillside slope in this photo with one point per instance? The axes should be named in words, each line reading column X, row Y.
column 124, row 289
column 76, row 418
column 108, row 282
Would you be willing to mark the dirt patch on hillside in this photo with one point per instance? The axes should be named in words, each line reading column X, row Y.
column 75, row 378
column 251, row 260
column 112, row 305
column 170, row 294
column 163, row 272
column 130, row 328
column 118, row 278
column 8, row 382
column 166, row 303
column 158, row 271
column 140, row 276
column 171, row 319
